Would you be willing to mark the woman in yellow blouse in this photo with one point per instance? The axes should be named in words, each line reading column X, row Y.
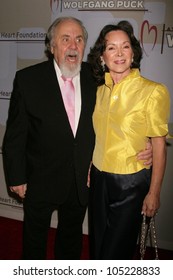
column 129, row 110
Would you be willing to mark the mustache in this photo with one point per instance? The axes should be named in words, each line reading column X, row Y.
column 71, row 53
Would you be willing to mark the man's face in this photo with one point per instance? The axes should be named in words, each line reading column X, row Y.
column 68, row 47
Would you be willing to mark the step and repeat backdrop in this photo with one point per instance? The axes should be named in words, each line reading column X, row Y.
column 23, row 27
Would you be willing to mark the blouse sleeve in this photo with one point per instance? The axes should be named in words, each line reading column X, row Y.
column 158, row 112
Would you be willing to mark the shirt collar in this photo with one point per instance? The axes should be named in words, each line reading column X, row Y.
column 134, row 73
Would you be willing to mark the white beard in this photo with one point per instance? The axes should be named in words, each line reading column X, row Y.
column 70, row 72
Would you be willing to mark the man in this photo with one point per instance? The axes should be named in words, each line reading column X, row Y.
column 46, row 161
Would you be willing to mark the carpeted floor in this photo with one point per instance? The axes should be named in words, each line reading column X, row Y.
column 11, row 243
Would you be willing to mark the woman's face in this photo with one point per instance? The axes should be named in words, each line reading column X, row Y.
column 118, row 54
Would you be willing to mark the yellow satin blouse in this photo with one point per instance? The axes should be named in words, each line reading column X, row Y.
column 125, row 116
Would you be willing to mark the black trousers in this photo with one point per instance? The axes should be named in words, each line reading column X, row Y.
column 115, row 213
column 37, row 217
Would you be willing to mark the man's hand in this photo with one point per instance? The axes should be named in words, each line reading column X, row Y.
column 146, row 155
column 19, row 190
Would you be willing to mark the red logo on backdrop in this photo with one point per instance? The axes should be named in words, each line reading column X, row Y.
column 150, row 31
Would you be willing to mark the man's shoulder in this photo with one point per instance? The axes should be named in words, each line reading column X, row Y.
column 87, row 76
column 85, row 66
column 86, row 70
column 34, row 67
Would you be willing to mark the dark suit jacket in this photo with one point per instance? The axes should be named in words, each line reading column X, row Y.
column 39, row 147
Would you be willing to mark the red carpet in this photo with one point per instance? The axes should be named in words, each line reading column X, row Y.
column 11, row 243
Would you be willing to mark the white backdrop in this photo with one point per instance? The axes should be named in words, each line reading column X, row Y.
column 23, row 25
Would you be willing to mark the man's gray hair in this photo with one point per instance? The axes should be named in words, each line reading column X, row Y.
column 51, row 32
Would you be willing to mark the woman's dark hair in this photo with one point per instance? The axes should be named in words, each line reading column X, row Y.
column 99, row 47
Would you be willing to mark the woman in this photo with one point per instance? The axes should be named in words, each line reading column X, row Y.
column 129, row 110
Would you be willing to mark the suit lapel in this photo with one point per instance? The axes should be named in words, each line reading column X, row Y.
column 85, row 102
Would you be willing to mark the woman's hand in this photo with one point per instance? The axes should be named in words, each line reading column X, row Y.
column 146, row 154
column 151, row 204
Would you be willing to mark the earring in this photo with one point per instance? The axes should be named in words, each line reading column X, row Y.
column 103, row 65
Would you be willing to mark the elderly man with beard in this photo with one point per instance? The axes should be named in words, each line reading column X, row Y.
column 46, row 161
